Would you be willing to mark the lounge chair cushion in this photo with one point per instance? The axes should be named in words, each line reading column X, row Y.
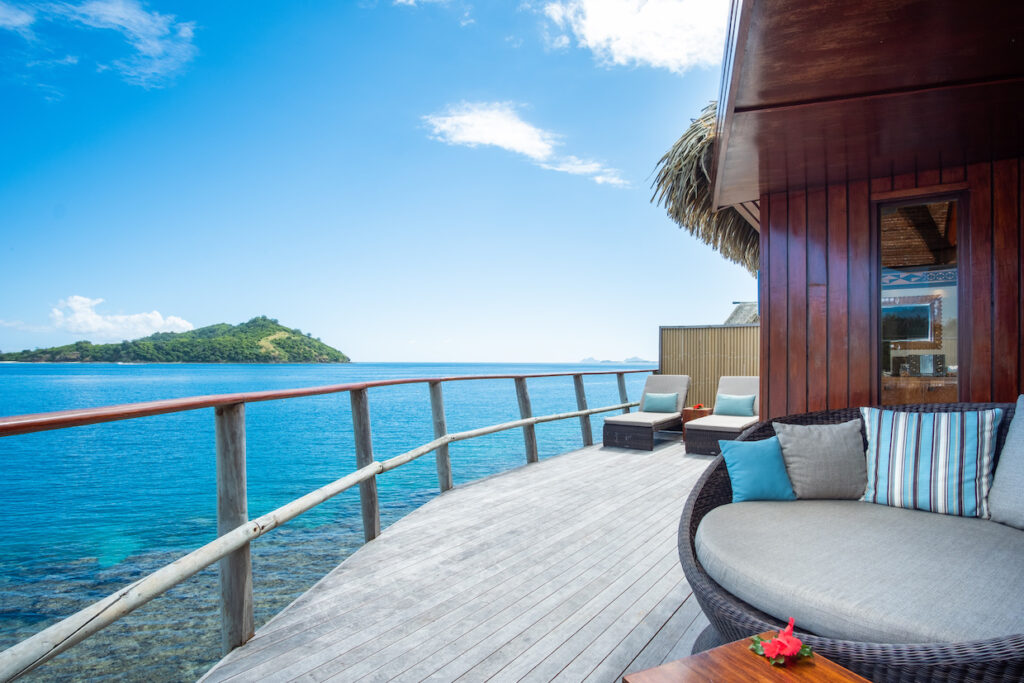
column 824, row 461
column 723, row 423
column 661, row 403
column 856, row 571
column 644, row 419
column 665, row 384
column 729, row 404
column 1006, row 500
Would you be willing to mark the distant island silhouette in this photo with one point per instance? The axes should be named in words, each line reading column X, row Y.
column 260, row 340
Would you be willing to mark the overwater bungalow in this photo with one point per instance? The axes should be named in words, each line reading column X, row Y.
column 865, row 160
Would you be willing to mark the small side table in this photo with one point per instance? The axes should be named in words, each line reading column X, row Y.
column 693, row 414
column 735, row 662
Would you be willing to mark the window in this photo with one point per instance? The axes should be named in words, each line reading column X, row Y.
column 918, row 308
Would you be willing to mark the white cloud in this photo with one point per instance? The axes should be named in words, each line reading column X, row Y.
column 78, row 314
column 669, row 34
column 67, row 60
column 498, row 124
column 559, row 42
column 16, row 19
column 163, row 45
column 491, row 123
column 597, row 172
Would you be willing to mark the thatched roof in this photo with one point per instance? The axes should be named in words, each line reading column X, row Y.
column 683, row 186
column 745, row 313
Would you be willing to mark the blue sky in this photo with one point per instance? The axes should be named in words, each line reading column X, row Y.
column 409, row 181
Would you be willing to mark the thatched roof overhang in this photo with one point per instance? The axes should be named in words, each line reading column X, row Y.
column 683, row 186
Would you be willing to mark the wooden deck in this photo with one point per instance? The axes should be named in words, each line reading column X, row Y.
column 562, row 570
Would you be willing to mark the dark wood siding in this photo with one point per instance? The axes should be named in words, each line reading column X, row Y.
column 819, row 286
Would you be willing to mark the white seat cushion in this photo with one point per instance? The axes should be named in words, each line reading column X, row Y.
column 723, row 423
column 859, row 571
column 643, row 419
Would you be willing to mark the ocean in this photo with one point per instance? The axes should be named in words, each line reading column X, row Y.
column 90, row 509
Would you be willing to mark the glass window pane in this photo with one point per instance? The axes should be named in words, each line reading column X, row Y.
column 919, row 303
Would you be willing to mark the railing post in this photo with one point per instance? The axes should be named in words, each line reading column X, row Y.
column 444, row 463
column 364, row 456
column 581, row 404
column 236, row 618
column 623, row 397
column 525, row 411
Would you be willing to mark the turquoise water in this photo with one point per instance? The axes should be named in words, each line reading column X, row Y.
column 89, row 509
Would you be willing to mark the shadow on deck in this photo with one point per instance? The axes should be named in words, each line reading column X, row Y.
column 566, row 570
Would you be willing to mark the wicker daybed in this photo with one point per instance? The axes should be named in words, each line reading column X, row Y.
column 990, row 659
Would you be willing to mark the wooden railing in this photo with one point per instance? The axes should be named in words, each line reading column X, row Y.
column 235, row 529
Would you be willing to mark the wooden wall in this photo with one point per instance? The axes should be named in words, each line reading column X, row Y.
column 820, row 278
column 706, row 354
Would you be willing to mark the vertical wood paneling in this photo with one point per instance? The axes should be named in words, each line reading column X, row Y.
column 904, row 181
column 929, row 177
column 861, row 334
column 883, row 184
column 979, row 315
column 817, row 299
column 953, row 174
column 1020, row 276
column 763, row 309
column 1006, row 286
column 838, row 296
column 819, row 289
column 796, row 347
column 778, row 300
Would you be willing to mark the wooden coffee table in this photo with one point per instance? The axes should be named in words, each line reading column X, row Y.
column 736, row 662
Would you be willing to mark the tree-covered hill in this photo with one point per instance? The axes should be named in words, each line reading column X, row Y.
column 261, row 340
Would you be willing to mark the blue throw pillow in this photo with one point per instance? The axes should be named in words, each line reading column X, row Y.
column 939, row 462
column 660, row 403
column 741, row 406
column 757, row 470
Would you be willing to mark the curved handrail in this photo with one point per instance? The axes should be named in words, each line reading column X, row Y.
column 36, row 650
column 62, row 419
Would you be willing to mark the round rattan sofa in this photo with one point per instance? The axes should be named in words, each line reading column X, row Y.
column 994, row 659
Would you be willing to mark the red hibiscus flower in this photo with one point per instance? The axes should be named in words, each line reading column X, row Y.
column 788, row 644
column 783, row 648
column 771, row 648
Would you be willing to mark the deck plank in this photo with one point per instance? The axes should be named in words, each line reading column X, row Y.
column 395, row 558
column 537, row 554
column 657, row 650
column 567, row 567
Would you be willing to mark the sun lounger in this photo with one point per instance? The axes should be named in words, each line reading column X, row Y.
column 703, row 434
column 636, row 430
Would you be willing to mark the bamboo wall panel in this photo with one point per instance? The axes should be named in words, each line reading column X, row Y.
column 819, row 286
column 708, row 353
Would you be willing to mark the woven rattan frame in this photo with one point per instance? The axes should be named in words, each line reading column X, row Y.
column 996, row 659
column 705, row 441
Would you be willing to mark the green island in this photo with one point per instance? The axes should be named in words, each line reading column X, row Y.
column 260, row 340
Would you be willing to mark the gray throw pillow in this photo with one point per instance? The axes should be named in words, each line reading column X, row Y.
column 824, row 461
column 1006, row 497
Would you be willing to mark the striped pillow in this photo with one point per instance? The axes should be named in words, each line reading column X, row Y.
column 939, row 462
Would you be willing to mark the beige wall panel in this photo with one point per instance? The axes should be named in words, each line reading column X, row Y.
column 707, row 353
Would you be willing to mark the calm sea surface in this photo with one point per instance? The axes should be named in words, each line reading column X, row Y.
column 90, row 509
